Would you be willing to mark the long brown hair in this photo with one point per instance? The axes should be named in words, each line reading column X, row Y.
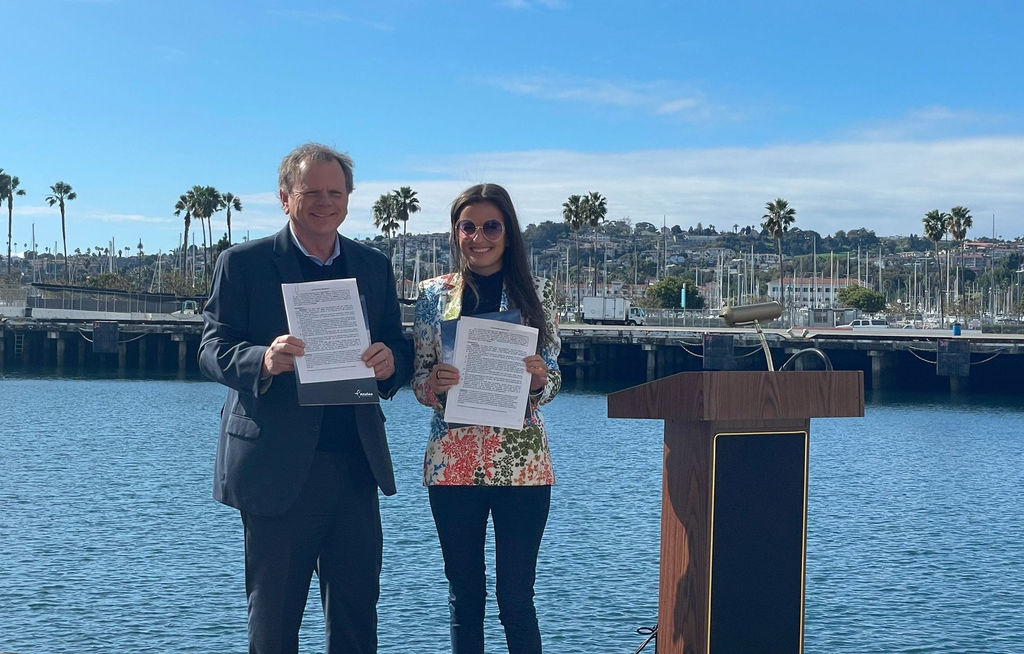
column 518, row 280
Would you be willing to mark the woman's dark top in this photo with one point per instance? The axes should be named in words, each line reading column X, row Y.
column 487, row 299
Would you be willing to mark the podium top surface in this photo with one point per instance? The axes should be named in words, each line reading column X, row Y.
column 744, row 395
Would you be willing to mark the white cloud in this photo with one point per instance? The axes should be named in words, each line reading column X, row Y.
column 124, row 218
column 886, row 187
column 679, row 105
column 86, row 216
column 268, row 198
column 929, row 122
column 657, row 97
column 34, row 210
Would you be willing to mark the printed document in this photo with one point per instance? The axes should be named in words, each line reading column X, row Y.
column 493, row 386
column 328, row 316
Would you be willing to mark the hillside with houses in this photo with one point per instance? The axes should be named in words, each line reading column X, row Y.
column 645, row 263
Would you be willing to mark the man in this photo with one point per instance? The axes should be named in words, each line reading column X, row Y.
column 304, row 478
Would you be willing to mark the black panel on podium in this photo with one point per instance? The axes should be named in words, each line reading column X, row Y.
column 758, row 521
column 734, row 501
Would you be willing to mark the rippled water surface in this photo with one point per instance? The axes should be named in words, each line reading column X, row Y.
column 110, row 541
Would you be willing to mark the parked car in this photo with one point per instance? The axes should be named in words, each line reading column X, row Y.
column 868, row 323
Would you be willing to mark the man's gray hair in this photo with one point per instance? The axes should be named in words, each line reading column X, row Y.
column 306, row 154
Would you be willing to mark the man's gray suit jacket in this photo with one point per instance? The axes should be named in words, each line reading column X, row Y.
column 267, row 441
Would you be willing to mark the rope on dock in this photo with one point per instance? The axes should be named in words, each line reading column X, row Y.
column 81, row 332
column 935, row 351
column 911, row 350
column 683, row 345
column 997, row 353
column 651, row 633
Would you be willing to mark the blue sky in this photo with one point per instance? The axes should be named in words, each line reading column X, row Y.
column 860, row 114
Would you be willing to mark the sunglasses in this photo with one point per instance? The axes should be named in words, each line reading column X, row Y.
column 492, row 229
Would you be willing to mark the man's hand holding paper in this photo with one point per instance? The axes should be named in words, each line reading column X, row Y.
column 336, row 362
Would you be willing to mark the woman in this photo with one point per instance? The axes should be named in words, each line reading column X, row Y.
column 472, row 471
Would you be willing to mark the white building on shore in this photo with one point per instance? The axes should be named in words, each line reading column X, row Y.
column 808, row 291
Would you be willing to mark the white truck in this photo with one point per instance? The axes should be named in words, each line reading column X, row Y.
column 612, row 311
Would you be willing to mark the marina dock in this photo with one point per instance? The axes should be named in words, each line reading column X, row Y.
column 143, row 344
column 907, row 359
column 136, row 343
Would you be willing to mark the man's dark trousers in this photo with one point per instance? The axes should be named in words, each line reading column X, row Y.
column 334, row 526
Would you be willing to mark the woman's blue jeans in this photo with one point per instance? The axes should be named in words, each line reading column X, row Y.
column 519, row 514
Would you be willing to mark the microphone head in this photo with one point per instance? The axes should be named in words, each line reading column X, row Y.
column 749, row 313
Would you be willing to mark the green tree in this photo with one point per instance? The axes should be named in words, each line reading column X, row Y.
column 221, row 245
column 385, row 218
column 230, row 201
column 199, row 202
column 207, row 201
column 544, row 234
column 858, row 297
column 667, row 292
column 173, row 281
column 407, row 204
column 8, row 189
column 776, row 222
column 936, row 226
column 183, row 204
column 594, row 208
column 572, row 214
column 60, row 194
column 959, row 222
column 108, row 280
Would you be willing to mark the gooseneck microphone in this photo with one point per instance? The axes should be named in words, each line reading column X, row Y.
column 754, row 313
column 751, row 313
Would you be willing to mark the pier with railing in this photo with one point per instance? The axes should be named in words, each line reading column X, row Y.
column 142, row 344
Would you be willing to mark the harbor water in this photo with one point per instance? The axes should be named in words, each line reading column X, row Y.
column 110, row 540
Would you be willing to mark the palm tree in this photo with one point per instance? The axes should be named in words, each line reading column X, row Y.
column 407, row 204
column 199, row 202
column 183, row 204
column 385, row 218
column 60, row 193
column 208, row 202
column 936, row 225
column 229, row 201
column 959, row 222
column 776, row 222
column 594, row 208
column 572, row 214
column 8, row 189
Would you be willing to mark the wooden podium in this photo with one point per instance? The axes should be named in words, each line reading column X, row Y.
column 734, row 501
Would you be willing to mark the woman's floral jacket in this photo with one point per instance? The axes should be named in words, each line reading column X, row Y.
column 475, row 455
